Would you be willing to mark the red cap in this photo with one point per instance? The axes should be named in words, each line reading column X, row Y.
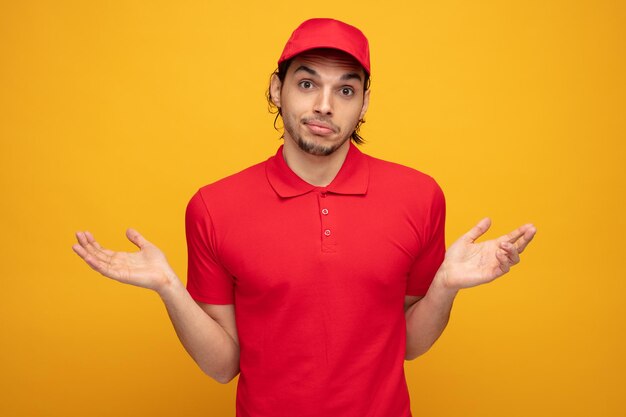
column 328, row 33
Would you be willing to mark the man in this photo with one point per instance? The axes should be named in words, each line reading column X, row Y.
column 331, row 261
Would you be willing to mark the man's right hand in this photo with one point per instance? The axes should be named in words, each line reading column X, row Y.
column 208, row 332
column 147, row 268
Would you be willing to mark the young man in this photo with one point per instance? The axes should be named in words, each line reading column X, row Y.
column 332, row 262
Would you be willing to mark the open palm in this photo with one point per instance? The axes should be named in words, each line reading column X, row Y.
column 468, row 264
column 147, row 268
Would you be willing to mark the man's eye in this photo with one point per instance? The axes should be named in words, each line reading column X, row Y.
column 306, row 84
column 347, row 91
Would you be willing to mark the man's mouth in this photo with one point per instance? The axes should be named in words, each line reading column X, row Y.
column 319, row 128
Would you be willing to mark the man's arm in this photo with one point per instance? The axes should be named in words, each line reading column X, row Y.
column 208, row 332
column 426, row 318
column 466, row 264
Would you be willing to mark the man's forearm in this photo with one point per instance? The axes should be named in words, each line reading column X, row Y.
column 210, row 346
column 427, row 318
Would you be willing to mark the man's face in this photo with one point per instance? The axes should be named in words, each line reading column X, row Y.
column 322, row 98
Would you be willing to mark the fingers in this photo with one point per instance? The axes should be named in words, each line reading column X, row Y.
column 80, row 251
column 507, row 257
column 92, row 247
column 511, row 252
column 521, row 236
column 86, row 242
column 92, row 240
column 478, row 230
column 528, row 236
column 94, row 255
column 86, row 253
column 504, row 261
column 99, row 259
column 135, row 237
column 514, row 244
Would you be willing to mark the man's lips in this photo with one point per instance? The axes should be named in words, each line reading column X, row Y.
column 319, row 128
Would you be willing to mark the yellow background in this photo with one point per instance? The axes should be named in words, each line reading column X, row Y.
column 113, row 113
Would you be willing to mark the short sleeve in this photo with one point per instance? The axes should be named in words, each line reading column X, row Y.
column 207, row 280
column 431, row 254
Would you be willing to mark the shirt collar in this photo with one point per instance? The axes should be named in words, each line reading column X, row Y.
column 352, row 178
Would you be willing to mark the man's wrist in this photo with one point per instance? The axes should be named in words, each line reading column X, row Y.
column 441, row 286
column 170, row 285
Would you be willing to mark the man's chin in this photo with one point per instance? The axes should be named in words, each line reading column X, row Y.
column 317, row 149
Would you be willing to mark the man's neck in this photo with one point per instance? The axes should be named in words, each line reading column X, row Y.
column 314, row 169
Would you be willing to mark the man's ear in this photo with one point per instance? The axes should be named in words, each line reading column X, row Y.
column 366, row 103
column 275, row 87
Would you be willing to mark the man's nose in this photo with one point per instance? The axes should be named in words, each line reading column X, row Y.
column 324, row 102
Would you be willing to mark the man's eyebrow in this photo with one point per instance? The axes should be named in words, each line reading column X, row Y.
column 351, row 76
column 344, row 77
column 305, row 69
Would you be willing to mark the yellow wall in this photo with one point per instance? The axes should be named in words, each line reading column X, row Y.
column 113, row 113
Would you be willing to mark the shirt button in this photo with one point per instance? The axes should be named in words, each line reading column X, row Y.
column 326, row 232
column 324, row 212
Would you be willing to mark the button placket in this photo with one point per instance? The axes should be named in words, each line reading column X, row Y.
column 326, row 222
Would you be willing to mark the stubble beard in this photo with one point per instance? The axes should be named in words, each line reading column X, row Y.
column 310, row 147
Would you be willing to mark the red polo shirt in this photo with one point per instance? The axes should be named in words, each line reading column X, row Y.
column 318, row 276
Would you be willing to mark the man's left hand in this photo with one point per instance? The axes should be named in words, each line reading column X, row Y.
column 468, row 264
